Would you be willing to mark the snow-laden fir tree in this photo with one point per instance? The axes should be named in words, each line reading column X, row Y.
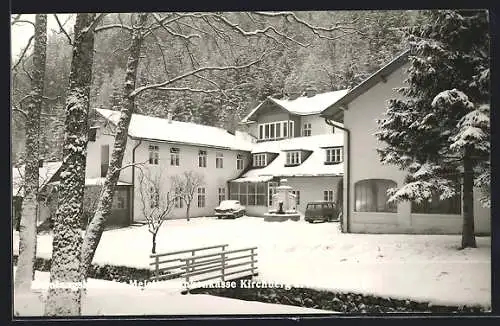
column 439, row 130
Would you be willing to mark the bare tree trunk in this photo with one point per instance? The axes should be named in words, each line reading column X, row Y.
column 65, row 290
column 468, row 237
column 188, row 206
column 153, row 249
column 27, row 228
column 96, row 225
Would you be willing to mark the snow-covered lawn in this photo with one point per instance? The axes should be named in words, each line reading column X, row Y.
column 113, row 298
column 418, row 267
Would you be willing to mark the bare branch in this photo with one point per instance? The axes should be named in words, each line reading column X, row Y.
column 171, row 31
column 110, row 26
column 256, row 32
column 158, row 42
column 61, row 29
column 20, row 111
column 24, row 68
column 23, row 53
column 15, row 19
column 23, row 21
column 139, row 90
column 312, row 28
column 137, row 164
column 51, row 98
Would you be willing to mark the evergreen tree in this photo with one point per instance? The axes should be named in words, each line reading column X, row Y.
column 209, row 111
column 439, row 131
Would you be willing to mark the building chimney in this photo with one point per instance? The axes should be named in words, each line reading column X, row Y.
column 40, row 163
column 169, row 117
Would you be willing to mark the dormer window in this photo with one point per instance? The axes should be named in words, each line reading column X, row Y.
column 259, row 160
column 293, row 158
column 333, row 155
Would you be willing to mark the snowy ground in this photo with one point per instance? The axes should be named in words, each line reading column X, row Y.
column 113, row 298
column 418, row 267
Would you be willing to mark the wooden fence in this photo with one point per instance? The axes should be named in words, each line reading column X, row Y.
column 194, row 265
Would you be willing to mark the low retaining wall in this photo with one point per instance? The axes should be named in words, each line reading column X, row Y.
column 333, row 301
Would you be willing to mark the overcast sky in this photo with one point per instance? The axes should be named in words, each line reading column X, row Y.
column 21, row 32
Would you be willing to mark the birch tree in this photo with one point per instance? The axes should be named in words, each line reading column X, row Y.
column 27, row 229
column 156, row 202
column 187, row 185
column 65, row 288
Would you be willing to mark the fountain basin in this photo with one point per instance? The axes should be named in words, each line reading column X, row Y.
column 281, row 217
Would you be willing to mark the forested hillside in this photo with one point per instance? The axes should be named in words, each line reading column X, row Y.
column 295, row 58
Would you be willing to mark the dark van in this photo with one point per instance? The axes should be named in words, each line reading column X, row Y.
column 325, row 211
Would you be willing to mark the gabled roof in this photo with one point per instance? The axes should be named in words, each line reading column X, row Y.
column 314, row 165
column 334, row 110
column 157, row 129
column 45, row 175
column 303, row 105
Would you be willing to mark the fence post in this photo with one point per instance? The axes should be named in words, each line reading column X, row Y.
column 157, row 267
column 187, row 270
column 223, row 259
column 252, row 258
column 192, row 255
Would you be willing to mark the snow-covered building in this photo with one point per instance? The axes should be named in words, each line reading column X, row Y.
column 47, row 173
column 295, row 143
column 367, row 180
column 166, row 148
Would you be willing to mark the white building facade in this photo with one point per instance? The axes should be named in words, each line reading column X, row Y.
column 365, row 203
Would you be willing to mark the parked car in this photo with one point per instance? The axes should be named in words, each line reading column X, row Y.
column 229, row 209
column 324, row 211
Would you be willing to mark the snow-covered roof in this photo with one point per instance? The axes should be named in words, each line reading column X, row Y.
column 45, row 173
column 314, row 165
column 146, row 127
column 304, row 105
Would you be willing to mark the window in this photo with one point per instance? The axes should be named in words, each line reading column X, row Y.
column 371, row 196
column 291, row 129
column 201, row 197
column 297, row 196
column 222, row 194
column 179, row 202
column 306, row 130
column 219, row 160
column 259, row 160
column 328, row 195
column 451, row 205
column 293, row 158
column 239, row 162
column 174, row 156
column 154, row 197
column 104, row 160
column 249, row 193
column 334, row 155
column 154, row 154
column 275, row 130
column 202, row 159
column 243, row 193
